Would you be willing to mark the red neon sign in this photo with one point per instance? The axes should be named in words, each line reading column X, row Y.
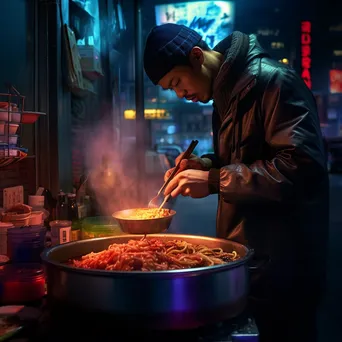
column 305, row 41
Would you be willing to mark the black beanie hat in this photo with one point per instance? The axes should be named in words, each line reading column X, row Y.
column 167, row 46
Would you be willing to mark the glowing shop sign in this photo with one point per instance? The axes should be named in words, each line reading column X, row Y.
column 159, row 114
column 305, row 41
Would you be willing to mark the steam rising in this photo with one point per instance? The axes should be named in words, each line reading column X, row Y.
column 115, row 187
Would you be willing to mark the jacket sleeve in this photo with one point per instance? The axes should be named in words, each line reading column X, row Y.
column 292, row 132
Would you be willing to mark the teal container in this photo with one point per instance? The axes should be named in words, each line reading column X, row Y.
column 100, row 226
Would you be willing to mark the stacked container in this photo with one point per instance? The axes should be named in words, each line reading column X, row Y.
column 4, row 227
column 22, row 279
column 10, row 118
column 21, row 283
column 19, row 215
column 22, row 234
column 25, row 244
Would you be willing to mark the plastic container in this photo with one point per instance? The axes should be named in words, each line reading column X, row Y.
column 5, row 112
column 35, row 201
column 21, row 283
column 60, row 232
column 25, row 244
column 12, row 139
column 16, row 117
column 4, row 226
column 99, row 226
column 11, row 152
column 18, row 215
column 30, row 117
column 4, row 128
column 36, row 218
column 5, row 116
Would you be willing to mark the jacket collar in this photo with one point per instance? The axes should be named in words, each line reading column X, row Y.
column 239, row 71
column 235, row 49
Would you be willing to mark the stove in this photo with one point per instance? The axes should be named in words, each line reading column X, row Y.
column 48, row 328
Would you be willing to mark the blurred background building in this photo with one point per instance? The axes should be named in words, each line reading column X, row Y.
column 294, row 32
column 80, row 63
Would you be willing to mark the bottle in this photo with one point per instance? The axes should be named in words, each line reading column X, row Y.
column 86, row 203
column 73, row 217
column 49, row 206
column 62, row 207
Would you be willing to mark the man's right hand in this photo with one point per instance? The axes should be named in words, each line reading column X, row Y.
column 193, row 162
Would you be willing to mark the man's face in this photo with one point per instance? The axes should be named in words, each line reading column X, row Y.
column 192, row 81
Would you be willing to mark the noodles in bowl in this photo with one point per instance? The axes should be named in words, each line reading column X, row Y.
column 144, row 214
column 144, row 220
column 153, row 254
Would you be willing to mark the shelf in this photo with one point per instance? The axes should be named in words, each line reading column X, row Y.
column 6, row 161
column 11, row 153
column 28, row 117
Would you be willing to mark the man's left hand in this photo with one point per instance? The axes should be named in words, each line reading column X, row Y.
column 193, row 183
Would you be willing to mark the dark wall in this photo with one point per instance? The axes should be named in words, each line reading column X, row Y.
column 16, row 45
column 17, row 66
column 54, row 130
column 17, row 54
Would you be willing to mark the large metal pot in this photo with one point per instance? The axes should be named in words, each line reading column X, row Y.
column 178, row 299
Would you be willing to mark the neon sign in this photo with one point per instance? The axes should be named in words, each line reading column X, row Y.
column 213, row 20
column 305, row 41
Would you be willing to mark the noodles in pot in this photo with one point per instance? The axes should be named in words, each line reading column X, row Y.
column 154, row 255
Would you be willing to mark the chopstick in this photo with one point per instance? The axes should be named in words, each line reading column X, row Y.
column 166, row 198
column 185, row 155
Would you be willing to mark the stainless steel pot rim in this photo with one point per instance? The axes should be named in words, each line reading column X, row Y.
column 148, row 274
column 117, row 216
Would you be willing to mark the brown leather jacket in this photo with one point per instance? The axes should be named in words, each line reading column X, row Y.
column 269, row 167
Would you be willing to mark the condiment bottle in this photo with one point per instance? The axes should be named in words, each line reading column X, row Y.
column 73, row 217
column 62, row 207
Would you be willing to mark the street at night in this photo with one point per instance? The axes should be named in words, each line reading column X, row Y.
column 100, row 100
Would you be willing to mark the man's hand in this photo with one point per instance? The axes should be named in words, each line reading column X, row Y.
column 193, row 162
column 193, row 183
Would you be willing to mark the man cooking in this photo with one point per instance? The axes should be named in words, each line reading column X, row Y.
column 268, row 167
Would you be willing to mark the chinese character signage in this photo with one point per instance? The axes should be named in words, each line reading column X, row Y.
column 305, row 41
column 213, row 20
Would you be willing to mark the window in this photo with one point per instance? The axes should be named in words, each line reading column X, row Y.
column 277, row 45
column 337, row 53
column 336, row 28
column 268, row 32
